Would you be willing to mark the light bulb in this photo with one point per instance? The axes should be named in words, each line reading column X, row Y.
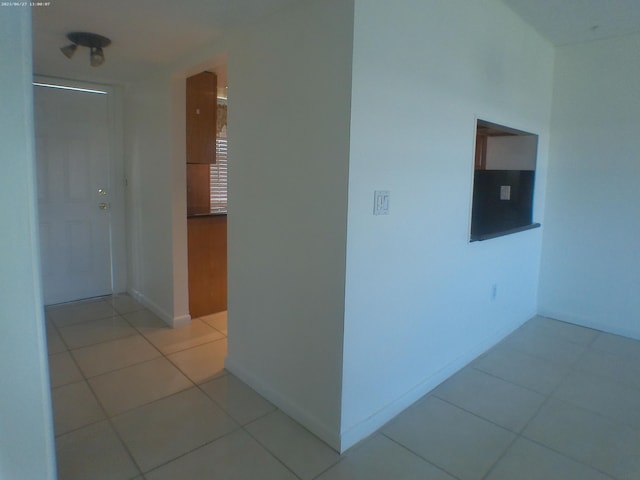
column 96, row 56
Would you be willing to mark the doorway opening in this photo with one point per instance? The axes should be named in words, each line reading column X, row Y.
column 206, row 165
column 80, row 190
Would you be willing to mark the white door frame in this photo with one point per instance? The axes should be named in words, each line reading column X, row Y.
column 117, row 179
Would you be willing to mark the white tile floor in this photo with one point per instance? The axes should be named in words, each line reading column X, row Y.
column 136, row 400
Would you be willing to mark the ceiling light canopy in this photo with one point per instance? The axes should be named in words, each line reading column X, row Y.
column 93, row 41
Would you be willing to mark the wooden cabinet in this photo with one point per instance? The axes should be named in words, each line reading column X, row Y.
column 198, row 189
column 201, row 118
column 481, row 152
column 207, row 239
column 207, row 234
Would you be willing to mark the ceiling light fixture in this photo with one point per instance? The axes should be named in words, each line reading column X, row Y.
column 93, row 41
column 69, row 50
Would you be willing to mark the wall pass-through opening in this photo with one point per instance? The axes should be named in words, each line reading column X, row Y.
column 503, row 183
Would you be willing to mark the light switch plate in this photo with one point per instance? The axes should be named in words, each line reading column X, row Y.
column 381, row 202
column 505, row 192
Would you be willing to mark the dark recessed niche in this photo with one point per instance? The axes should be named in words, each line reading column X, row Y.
column 503, row 184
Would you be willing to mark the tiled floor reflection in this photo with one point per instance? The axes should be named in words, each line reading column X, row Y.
column 136, row 400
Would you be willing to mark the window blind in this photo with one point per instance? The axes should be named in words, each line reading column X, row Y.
column 218, row 175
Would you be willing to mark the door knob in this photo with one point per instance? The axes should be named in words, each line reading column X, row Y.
column 104, row 206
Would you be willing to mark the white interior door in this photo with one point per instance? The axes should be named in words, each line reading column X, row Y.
column 73, row 162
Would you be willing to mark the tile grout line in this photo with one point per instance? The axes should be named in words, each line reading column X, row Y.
column 106, row 419
column 501, row 456
column 272, row 454
column 207, row 443
column 494, row 375
column 478, row 416
column 106, row 416
column 551, row 396
column 572, row 459
column 576, row 460
column 194, row 385
column 197, row 386
column 110, row 418
column 167, row 328
column 405, row 447
column 515, row 434
column 571, row 369
column 519, row 435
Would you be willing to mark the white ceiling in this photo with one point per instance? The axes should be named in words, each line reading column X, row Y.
column 147, row 34
column 566, row 22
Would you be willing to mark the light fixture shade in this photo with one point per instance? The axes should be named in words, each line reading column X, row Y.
column 96, row 56
column 93, row 41
column 69, row 50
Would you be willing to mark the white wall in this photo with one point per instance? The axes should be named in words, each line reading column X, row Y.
column 26, row 426
column 591, row 261
column 512, row 152
column 418, row 294
column 156, row 196
column 289, row 96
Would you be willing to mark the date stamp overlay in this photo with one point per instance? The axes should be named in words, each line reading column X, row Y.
column 4, row 3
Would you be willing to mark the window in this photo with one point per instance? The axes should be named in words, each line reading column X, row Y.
column 503, row 182
column 218, row 176
column 218, row 170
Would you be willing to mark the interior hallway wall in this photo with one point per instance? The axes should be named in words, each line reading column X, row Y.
column 289, row 99
column 419, row 296
column 156, row 198
column 26, row 425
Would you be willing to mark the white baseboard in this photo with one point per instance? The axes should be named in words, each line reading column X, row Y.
column 588, row 322
column 345, row 439
column 181, row 321
column 363, row 429
column 318, row 428
column 166, row 317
